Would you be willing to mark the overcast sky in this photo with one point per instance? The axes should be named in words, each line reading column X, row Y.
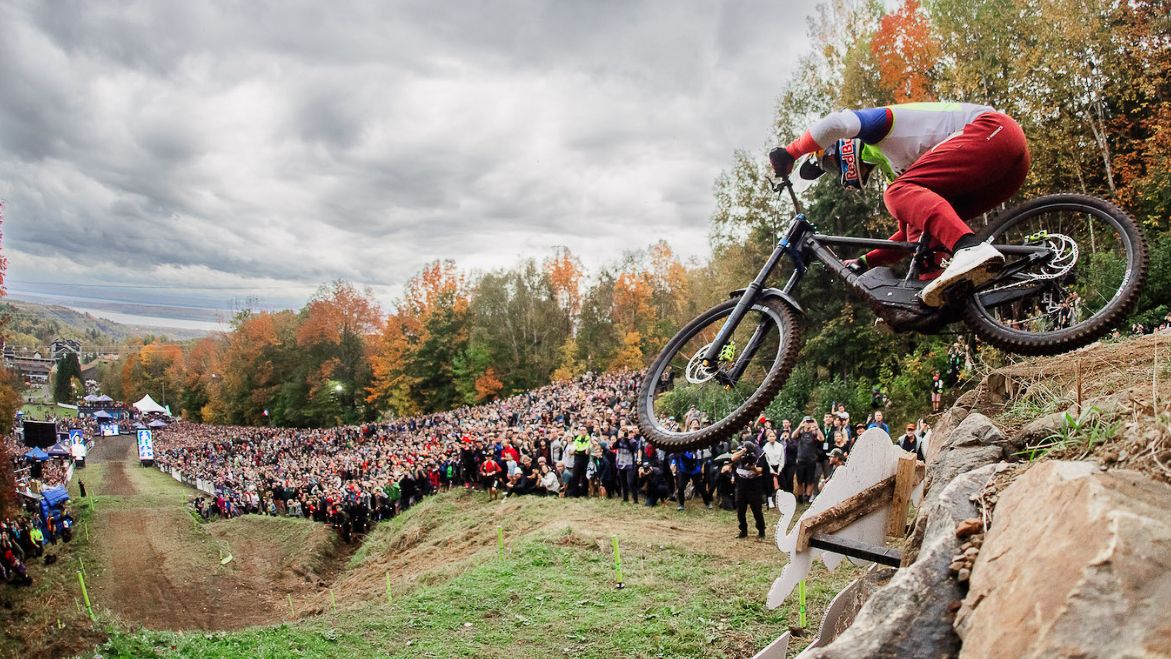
column 213, row 150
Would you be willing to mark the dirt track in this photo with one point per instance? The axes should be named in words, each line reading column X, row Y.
column 117, row 481
column 161, row 570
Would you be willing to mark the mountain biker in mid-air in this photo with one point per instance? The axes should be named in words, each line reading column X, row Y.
column 945, row 163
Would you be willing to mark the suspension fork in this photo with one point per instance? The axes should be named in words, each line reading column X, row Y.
column 786, row 245
column 745, row 356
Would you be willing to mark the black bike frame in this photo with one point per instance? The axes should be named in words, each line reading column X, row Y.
column 800, row 241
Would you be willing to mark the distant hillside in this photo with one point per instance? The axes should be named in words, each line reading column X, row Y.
column 33, row 325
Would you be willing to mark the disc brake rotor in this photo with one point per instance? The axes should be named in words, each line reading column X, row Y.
column 697, row 373
column 1065, row 256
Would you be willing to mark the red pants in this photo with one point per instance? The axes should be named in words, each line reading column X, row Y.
column 963, row 176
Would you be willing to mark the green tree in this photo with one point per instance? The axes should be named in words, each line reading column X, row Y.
column 66, row 378
column 597, row 338
column 517, row 321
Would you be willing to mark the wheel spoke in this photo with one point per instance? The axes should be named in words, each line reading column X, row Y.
column 1089, row 274
column 688, row 399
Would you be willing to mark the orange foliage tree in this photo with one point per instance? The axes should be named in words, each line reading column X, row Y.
column 337, row 330
column 414, row 357
column 906, row 52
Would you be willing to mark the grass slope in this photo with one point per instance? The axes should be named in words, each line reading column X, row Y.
column 691, row 589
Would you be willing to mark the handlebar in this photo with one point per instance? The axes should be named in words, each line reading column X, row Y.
column 786, row 184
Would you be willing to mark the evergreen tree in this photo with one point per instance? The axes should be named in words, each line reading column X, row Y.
column 68, row 370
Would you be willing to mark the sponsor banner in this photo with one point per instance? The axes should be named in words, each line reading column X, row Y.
column 146, row 448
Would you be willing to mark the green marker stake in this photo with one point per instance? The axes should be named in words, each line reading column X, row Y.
column 332, row 599
column 388, row 586
column 801, row 594
column 77, row 605
column 617, row 562
column 291, row 611
column 85, row 594
column 500, row 541
column 82, row 564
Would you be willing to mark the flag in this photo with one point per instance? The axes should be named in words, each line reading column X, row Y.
column 266, row 411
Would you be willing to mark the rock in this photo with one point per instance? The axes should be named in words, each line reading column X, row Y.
column 969, row 526
column 975, row 442
column 972, row 444
column 912, row 615
column 964, row 575
column 1076, row 563
column 941, row 430
column 967, row 400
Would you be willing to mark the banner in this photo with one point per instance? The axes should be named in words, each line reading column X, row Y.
column 146, row 449
column 76, row 436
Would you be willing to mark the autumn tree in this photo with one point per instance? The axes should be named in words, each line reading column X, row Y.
column 253, row 369
column 906, row 53
column 417, row 350
column 565, row 278
column 336, row 331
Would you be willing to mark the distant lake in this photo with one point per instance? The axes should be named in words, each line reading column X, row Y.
column 139, row 314
column 152, row 321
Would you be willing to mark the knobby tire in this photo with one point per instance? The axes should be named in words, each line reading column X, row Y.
column 1052, row 343
column 742, row 415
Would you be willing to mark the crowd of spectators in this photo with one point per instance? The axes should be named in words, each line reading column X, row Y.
column 26, row 537
column 573, row 439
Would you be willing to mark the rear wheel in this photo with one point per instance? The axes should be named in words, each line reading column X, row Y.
column 1094, row 272
column 683, row 404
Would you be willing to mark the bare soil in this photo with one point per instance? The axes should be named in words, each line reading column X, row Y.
column 1125, row 385
column 159, row 568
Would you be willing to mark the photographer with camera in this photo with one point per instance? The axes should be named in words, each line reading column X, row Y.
column 751, row 471
column 809, row 439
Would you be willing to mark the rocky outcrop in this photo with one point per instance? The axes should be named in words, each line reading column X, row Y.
column 1077, row 562
column 942, row 430
column 961, row 442
column 975, row 442
column 913, row 615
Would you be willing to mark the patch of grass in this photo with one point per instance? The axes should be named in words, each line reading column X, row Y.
column 543, row 599
column 1080, row 435
column 552, row 594
column 1039, row 399
column 44, row 411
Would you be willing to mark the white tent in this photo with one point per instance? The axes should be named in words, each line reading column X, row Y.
column 148, row 406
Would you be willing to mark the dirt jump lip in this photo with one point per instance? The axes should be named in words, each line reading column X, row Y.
column 158, row 569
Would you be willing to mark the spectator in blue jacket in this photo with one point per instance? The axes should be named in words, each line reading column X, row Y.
column 689, row 468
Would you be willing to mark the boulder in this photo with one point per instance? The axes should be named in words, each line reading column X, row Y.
column 941, row 430
column 975, row 442
column 972, row 442
column 1077, row 562
column 913, row 615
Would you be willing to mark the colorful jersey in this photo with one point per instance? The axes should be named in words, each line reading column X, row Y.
column 894, row 136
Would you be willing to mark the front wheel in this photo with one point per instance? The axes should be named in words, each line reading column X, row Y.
column 684, row 404
column 1092, row 275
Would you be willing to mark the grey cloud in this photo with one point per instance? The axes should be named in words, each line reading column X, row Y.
column 301, row 142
